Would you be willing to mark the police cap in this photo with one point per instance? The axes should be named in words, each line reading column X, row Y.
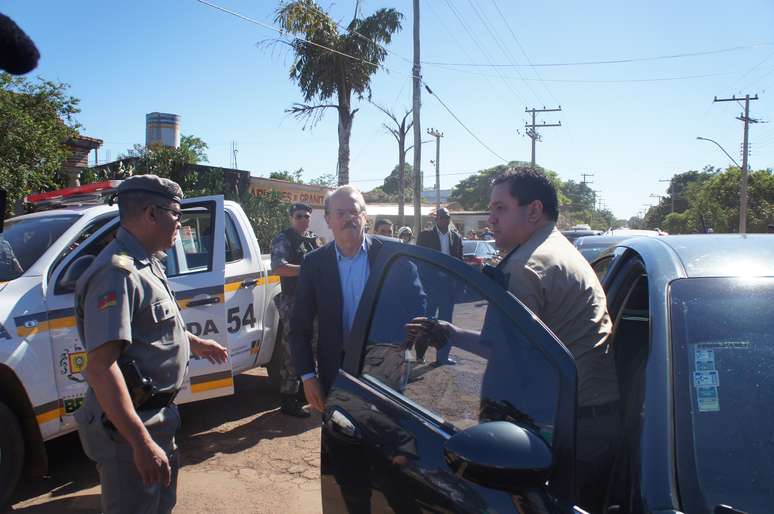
column 299, row 206
column 152, row 184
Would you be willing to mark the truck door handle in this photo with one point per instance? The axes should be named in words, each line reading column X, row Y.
column 248, row 283
column 204, row 301
column 340, row 424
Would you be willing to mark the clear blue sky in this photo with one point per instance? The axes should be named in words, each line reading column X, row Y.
column 125, row 59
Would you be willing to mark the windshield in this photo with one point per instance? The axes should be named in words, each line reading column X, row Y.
column 24, row 241
column 724, row 356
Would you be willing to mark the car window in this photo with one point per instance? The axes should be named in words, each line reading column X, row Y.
column 469, row 247
column 192, row 252
column 86, row 233
column 234, row 250
column 85, row 255
column 601, row 266
column 499, row 374
column 24, row 241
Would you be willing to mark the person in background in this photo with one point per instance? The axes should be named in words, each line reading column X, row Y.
column 405, row 234
column 441, row 303
column 383, row 227
column 287, row 252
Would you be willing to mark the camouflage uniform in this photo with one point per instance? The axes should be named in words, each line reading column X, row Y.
column 289, row 248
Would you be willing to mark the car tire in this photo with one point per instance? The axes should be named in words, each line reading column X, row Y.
column 11, row 454
column 274, row 368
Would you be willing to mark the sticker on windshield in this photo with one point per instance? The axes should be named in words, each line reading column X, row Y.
column 707, row 398
column 705, row 360
column 706, row 379
column 724, row 345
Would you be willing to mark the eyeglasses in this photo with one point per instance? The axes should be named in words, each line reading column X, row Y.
column 343, row 213
column 176, row 214
column 302, row 216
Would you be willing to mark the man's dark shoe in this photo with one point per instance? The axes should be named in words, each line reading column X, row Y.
column 292, row 407
column 448, row 362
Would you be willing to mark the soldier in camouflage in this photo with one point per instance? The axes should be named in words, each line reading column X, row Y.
column 287, row 252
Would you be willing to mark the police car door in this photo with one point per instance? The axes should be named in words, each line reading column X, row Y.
column 196, row 273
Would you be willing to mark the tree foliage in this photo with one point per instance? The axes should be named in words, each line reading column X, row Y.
column 295, row 177
column 709, row 199
column 36, row 120
column 328, row 79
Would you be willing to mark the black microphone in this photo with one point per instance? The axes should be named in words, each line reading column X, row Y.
column 18, row 54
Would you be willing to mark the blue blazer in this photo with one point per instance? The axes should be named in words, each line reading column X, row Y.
column 318, row 294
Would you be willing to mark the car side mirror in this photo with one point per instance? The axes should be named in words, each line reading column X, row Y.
column 500, row 455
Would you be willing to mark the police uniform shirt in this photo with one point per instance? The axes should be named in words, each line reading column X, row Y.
column 549, row 276
column 289, row 248
column 123, row 296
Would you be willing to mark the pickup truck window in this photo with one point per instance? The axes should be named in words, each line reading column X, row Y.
column 24, row 241
column 234, row 250
column 192, row 252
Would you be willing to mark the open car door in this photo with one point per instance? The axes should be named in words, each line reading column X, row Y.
column 493, row 433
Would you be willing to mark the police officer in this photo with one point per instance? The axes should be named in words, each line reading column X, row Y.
column 138, row 352
column 287, row 252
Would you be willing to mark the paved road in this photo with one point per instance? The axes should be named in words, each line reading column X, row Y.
column 239, row 454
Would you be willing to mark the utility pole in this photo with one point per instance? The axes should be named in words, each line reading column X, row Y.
column 417, row 70
column 745, row 148
column 671, row 191
column 584, row 175
column 437, row 135
column 532, row 127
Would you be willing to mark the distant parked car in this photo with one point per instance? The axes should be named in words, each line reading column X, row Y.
column 575, row 232
column 477, row 253
column 591, row 246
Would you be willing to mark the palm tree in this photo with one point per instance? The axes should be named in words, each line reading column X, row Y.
column 344, row 66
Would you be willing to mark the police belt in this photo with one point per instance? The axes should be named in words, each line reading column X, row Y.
column 158, row 401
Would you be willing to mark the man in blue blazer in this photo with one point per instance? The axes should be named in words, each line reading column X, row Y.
column 330, row 285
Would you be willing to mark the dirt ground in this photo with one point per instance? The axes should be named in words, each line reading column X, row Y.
column 238, row 454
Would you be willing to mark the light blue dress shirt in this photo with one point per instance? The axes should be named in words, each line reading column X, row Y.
column 353, row 274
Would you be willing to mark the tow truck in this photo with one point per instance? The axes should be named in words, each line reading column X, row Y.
column 221, row 283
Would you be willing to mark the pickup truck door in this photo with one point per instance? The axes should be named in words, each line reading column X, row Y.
column 196, row 272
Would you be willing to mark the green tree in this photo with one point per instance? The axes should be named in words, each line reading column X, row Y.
column 166, row 161
column 473, row 192
column 36, row 120
column 324, row 180
column 289, row 176
column 325, row 76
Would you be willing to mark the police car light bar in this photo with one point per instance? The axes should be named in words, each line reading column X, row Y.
column 95, row 189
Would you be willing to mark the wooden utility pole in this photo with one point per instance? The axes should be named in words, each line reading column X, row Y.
column 437, row 135
column 532, row 127
column 417, row 70
column 743, row 189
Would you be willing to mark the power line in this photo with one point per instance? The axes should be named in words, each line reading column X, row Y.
column 611, row 81
column 502, row 47
column 482, row 49
column 610, row 61
column 524, row 53
column 463, row 125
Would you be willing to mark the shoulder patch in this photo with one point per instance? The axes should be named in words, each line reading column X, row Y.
column 122, row 261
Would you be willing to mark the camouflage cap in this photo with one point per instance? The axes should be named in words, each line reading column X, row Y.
column 154, row 185
column 299, row 206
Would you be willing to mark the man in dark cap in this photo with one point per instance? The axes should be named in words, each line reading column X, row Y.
column 287, row 251
column 138, row 352
column 446, row 241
